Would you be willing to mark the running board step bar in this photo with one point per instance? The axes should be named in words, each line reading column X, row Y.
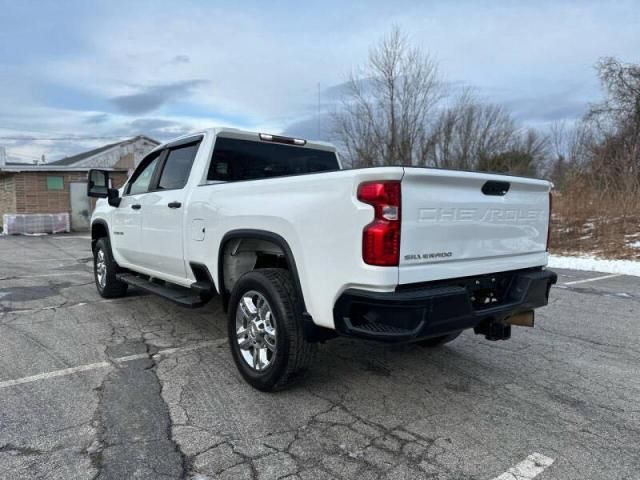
column 177, row 294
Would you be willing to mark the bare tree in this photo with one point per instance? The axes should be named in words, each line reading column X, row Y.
column 615, row 151
column 384, row 118
column 621, row 83
column 392, row 115
column 469, row 133
column 571, row 152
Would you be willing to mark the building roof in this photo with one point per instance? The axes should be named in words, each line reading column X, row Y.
column 14, row 167
column 81, row 157
column 106, row 157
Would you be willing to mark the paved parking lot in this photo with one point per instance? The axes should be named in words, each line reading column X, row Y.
column 140, row 388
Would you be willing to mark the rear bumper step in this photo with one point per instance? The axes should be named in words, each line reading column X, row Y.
column 416, row 312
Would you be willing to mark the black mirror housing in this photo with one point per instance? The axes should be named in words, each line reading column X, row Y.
column 98, row 184
column 113, row 197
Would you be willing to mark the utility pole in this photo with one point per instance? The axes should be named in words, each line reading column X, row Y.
column 318, row 136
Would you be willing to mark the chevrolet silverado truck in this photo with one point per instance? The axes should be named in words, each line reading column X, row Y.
column 299, row 250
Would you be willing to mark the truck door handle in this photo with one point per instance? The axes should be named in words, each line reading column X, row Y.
column 174, row 205
column 136, row 206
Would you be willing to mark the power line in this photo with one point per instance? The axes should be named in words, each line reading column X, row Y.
column 21, row 155
column 24, row 130
column 59, row 139
column 55, row 137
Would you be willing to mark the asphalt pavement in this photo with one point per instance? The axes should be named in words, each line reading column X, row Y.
column 141, row 388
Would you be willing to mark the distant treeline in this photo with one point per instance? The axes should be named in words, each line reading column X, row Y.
column 397, row 111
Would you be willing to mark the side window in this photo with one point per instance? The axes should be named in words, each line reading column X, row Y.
column 142, row 178
column 177, row 167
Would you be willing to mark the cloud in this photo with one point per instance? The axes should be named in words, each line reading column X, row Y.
column 180, row 59
column 159, row 128
column 546, row 108
column 97, row 118
column 153, row 97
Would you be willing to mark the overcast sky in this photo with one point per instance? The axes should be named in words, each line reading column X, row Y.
column 110, row 69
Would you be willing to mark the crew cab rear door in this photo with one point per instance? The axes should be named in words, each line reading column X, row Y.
column 164, row 210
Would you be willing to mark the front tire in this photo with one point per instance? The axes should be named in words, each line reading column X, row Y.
column 105, row 269
column 265, row 330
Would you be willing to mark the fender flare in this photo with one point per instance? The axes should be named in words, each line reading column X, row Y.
column 259, row 235
column 103, row 223
column 311, row 331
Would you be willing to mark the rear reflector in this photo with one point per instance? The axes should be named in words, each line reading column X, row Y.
column 381, row 238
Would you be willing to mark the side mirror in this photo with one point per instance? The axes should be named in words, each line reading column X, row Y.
column 99, row 186
column 113, row 197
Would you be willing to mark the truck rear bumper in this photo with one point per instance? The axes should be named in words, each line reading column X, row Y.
column 419, row 311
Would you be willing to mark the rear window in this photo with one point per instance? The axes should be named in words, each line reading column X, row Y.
column 235, row 160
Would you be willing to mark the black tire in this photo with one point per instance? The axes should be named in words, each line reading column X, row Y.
column 293, row 354
column 112, row 287
column 438, row 341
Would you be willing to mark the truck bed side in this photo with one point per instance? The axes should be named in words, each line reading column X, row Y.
column 318, row 215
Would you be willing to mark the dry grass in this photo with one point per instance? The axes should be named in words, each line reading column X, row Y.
column 600, row 224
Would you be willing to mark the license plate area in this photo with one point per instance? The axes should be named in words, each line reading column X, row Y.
column 489, row 290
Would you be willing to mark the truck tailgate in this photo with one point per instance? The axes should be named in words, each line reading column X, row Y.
column 457, row 224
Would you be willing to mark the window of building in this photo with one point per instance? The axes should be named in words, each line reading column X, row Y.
column 55, row 183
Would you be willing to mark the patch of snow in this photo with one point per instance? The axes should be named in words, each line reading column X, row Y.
column 593, row 264
column 635, row 244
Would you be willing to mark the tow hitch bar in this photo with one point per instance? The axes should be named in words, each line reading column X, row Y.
column 493, row 330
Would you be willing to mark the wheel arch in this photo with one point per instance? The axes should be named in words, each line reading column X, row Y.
column 252, row 234
column 311, row 331
column 99, row 229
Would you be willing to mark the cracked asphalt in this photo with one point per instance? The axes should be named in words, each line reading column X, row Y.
column 141, row 388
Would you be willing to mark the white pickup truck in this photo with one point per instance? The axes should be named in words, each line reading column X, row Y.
column 300, row 251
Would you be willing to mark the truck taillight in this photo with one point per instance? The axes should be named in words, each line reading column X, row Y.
column 381, row 238
column 549, row 226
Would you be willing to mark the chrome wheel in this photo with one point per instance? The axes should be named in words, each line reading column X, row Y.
column 101, row 268
column 255, row 330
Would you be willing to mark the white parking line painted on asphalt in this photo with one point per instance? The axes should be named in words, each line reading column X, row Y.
column 65, row 306
column 54, row 374
column 94, row 366
column 21, row 261
column 84, row 237
column 65, row 274
column 529, row 468
column 594, row 279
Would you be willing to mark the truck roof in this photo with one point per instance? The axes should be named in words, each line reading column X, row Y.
column 231, row 132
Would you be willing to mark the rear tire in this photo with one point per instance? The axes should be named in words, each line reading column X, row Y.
column 265, row 330
column 438, row 341
column 105, row 269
